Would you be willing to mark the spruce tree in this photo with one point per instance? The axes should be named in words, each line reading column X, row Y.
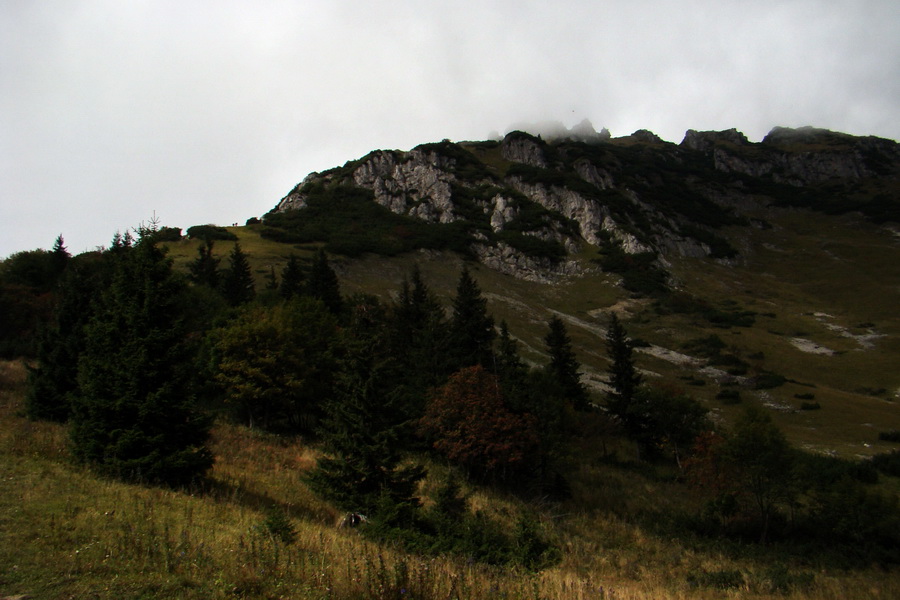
column 237, row 282
column 59, row 256
column 323, row 284
column 291, row 278
column 419, row 337
column 204, row 270
column 363, row 429
column 507, row 362
column 623, row 377
column 471, row 327
column 134, row 415
column 563, row 366
column 53, row 381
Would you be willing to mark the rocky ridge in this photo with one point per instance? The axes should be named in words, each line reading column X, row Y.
column 636, row 195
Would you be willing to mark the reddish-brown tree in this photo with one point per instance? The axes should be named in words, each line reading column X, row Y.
column 468, row 422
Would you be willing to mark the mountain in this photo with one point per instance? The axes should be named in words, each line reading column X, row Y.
column 747, row 272
column 524, row 206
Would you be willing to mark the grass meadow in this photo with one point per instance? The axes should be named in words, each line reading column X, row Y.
column 68, row 534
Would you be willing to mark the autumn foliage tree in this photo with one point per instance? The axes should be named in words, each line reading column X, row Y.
column 468, row 421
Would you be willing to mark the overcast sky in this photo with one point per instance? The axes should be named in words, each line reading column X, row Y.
column 209, row 112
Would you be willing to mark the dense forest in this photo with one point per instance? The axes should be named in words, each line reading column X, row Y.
column 139, row 360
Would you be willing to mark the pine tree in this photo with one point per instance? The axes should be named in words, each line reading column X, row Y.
column 323, row 284
column 362, row 431
column 237, row 283
column 471, row 327
column 507, row 362
column 59, row 256
column 563, row 367
column 418, row 336
column 291, row 278
column 53, row 381
column 134, row 415
column 623, row 377
column 204, row 270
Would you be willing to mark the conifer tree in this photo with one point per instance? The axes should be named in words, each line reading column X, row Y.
column 623, row 377
column 362, row 471
column 59, row 256
column 237, row 282
column 507, row 362
column 563, row 367
column 204, row 269
column 291, row 278
column 134, row 415
column 418, row 335
column 323, row 284
column 271, row 279
column 471, row 327
column 53, row 381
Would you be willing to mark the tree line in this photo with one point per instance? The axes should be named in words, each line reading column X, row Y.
column 139, row 359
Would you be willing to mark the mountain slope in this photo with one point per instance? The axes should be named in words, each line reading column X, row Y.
column 523, row 205
column 731, row 285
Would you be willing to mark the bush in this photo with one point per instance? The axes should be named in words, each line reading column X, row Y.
column 888, row 463
column 889, row 436
column 168, row 234
column 210, row 232
column 768, row 380
column 810, row 406
column 720, row 580
column 729, row 397
column 279, row 526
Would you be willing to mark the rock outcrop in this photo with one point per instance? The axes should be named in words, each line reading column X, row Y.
column 638, row 193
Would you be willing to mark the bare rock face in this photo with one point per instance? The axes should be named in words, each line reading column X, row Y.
column 506, row 259
column 524, row 149
column 797, row 157
column 593, row 174
column 638, row 193
column 415, row 184
column 704, row 141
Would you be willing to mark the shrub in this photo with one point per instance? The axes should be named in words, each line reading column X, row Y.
column 729, row 397
column 168, row 234
column 889, row 436
column 810, row 406
column 888, row 463
column 768, row 380
column 720, row 580
column 210, row 232
column 279, row 526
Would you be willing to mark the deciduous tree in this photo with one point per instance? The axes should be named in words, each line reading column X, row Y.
column 275, row 364
column 468, row 421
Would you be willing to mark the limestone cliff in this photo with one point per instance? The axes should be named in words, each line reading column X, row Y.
column 526, row 203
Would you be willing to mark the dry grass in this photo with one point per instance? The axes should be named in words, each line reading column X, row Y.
column 68, row 534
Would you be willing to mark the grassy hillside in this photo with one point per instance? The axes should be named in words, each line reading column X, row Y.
column 68, row 534
column 822, row 293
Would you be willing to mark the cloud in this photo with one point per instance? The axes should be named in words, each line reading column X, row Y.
column 210, row 111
